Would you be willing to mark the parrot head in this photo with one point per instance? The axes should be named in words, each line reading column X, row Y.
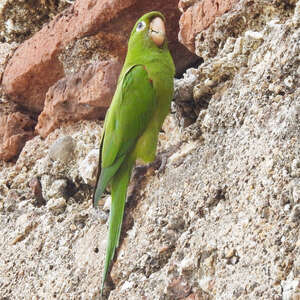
column 149, row 31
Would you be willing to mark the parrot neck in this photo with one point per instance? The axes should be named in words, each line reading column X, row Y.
column 149, row 57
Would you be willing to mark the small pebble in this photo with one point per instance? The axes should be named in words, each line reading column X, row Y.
column 57, row 205
column 295, row 216
column 73, row 227
column 107, row 203
column 62, row 149
column 89, row 166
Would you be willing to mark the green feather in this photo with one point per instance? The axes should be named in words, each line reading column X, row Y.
column 132, row 124
column 119, row 190
column 105, row 176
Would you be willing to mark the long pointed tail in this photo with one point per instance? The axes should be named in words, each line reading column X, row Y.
column 118, row 192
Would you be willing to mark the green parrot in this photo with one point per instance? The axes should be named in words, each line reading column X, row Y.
column 140, row 104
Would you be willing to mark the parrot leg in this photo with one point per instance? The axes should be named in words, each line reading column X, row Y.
column 164, row 160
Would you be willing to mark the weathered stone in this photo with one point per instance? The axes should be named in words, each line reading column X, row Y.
column 178, row 288
column 20, row 19
column 15, row 129
column 11, row 201
column 198, row 16
column 85, row 95
column 5, row 52
column 53, row 188
column 107, row 203
column 57, row 205
column 62, row 149
column 89, row 166
column 238, row 22
column 36, row 191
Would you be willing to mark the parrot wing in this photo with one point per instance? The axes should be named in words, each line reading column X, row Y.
column 132, row 107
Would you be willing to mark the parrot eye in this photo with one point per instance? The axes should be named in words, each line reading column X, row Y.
column 140, row 26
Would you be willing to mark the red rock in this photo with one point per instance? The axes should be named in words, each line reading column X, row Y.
column 36, row 191
column 15, row 129
column 36, row 187
column 198, row 17
column 85, row 95
column 35, row 65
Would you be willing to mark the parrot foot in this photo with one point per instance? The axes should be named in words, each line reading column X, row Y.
column 108, row 287
column 163, row 164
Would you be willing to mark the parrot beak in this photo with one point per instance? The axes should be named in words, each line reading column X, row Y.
column 157, row 31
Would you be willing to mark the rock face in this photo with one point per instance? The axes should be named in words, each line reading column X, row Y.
column 15, row 129
column 85, row 95
column 215, row 217
column 22, row 79
column 6, row 51
column 21, row 19
column 199, row 15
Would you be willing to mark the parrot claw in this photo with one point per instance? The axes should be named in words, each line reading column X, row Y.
column 163, row 163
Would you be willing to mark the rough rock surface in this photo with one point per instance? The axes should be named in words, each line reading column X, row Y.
column 215, row 217
column 84, row 95
column 196, row 34
column 6, row 51
column 199, row 15
column 21, row 19
column 15, row 129
column 36, row 66
column 18, row 21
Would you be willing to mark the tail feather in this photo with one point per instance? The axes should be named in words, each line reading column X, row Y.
column 119, row 186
